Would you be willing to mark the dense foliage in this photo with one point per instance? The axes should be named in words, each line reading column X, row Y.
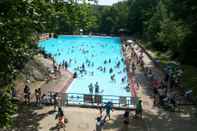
column 168, row 25
column 19, row 21
column 113, row 18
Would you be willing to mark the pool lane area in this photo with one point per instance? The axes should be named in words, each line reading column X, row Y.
column 97, row 61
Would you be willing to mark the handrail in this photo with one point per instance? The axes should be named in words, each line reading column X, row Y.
column 95, row 100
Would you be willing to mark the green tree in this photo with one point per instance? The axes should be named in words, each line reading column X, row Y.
column 113, row 18
column 172, row 34
column 19, row 22
column 140, row 11
column 87, row 21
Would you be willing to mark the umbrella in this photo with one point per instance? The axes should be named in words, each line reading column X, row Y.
column 129, row 41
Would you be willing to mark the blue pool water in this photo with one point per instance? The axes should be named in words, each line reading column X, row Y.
column 91, row 51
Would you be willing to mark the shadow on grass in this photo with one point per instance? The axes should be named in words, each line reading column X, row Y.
column 27, row 119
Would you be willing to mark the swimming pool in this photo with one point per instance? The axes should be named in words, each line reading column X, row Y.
column 92, row 58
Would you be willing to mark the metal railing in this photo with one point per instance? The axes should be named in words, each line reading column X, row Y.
column 92, row 100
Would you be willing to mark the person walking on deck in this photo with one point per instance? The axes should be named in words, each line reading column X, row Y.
column 61, row 119
column 99, row 124
column 55, row 101
column 27, row 94
column 138, row 111
column 39, row 96
column 108, row 109
column 133, row 67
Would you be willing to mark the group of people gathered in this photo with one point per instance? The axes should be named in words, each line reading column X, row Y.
column 166, row 90
column 163, row 88
column 37, row 97
column 43, row 99
column 96, row 87
column 108, row 108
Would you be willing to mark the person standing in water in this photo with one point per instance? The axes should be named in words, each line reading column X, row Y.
column 96, row 88
column 91, row 88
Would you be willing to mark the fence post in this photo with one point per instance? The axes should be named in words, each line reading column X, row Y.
column 66, row 98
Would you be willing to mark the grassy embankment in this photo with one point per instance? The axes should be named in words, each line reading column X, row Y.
column 189, row 73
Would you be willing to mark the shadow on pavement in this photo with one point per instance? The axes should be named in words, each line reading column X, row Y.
column 162, row 121
column 27, row 119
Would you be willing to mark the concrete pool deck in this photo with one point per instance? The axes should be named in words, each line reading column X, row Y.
column 84, row 119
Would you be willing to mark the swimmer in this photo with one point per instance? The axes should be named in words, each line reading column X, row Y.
column 110, row 70
column 88, row 64
column 65, row 64
column 123, row 79
column 83, row 67
column 119, row 72
column 91, row 88
column 75, row 75
column 96, row 89
column 87, row 61
column 113, row 77
column 70, row 60
column 96, row 85
column 92, row 73
column 118, row 64
column 124, row 69
column 109, row 60
column 133, row 67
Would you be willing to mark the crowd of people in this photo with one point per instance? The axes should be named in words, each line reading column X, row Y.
column 108, row 108
column 164, row 89
column 43, row 99
column 88, row 65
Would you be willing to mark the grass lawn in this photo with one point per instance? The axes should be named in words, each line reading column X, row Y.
column 190, row 77
column 189, row 74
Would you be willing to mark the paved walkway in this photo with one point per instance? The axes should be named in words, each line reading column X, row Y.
column 157, row 119
column 84, row 119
